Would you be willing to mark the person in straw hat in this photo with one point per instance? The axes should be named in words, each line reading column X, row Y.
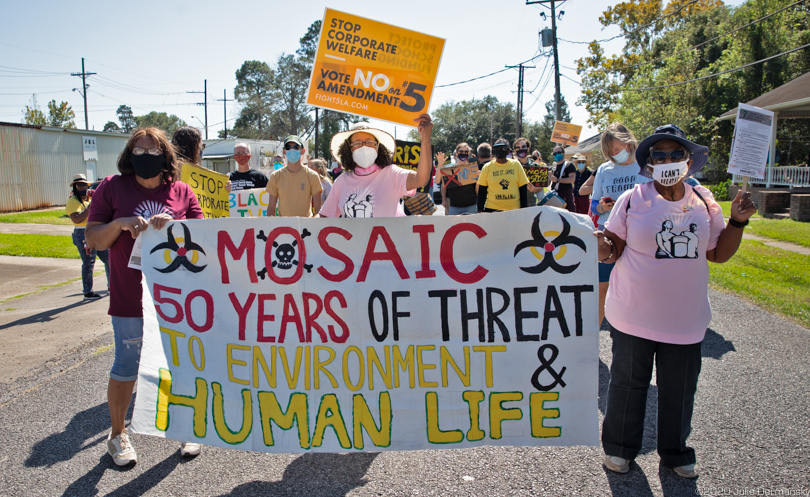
column 371, row 185
column 78, row 208
column 581, row 202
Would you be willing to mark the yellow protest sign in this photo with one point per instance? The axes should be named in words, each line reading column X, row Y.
column 373, row 69
column 209, row 186
column 566, row 133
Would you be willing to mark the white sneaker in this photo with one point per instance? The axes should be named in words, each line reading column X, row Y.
column 617, row 464
column 121, row 450
column 686, row 471
column 190, row 449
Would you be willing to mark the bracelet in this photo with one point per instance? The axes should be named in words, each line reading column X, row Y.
column 737, row 224
column 610, row 242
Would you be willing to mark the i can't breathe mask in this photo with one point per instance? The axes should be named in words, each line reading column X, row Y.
column 670, row 173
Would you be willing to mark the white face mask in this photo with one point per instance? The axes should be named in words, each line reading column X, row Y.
column 364, row 156
column 669, row 173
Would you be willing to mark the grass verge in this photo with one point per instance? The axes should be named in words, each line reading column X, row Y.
column 785, row 230
column 726, row 205
column 774, row 279
column 60, row 247
column 53, row 216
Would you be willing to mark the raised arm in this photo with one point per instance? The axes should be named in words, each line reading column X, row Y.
column 422, row 174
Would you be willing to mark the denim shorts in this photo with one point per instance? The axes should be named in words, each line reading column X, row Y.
column 128, row 339
column 604, row 271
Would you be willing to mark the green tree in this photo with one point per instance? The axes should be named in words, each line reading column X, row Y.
column 32, row 114
column 126, row 118
column 254, row 91
column 61, row 115
column 166, row 122
column 642, row 23
column 309, row 43
column 657, row 75
column 291, row 115
column 112, row 127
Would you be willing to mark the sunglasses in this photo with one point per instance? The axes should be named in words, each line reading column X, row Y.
column 292, row 146
column 659, row 156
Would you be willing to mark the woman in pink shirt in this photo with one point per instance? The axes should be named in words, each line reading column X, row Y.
column 661, row 235
column 371, row 185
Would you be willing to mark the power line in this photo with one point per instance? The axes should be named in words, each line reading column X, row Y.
column 487, row 75
column 635, row 30
column 571, row 79
column 708, row 41
column 719, row 73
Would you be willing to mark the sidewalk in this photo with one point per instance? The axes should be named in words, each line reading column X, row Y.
column 35, row 229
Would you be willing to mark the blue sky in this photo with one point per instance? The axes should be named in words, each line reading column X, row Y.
column 148, row 55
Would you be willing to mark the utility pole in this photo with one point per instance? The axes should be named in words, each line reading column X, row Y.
column 554, row 47
column 519, row 127
column 225, row 101
column 205, row 103
column 85, row 86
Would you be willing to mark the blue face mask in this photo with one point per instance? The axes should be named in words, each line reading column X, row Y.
column 558, row 157
column 622, row 157
column 293, row 156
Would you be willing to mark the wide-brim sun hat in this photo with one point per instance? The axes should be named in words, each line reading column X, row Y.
column 79, row 178
column 698, row 153
column 578, row 157
column 381, row 136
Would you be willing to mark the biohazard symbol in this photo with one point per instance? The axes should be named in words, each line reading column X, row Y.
column 176, row 256
column 549, row 259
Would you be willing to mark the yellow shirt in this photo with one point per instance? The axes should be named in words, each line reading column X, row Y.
column 502, row 182
column 294, row 191
column 73, row 205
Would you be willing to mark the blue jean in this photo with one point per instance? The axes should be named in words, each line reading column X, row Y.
column 677, row 368
column 128, row 333
column 89, row 262
column 459, row 211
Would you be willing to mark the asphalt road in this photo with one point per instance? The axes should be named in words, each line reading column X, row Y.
column 751, row 429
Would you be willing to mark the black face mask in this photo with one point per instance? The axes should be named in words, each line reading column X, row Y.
column 522, row 153
column 79, row 193
column 147, row 166
column 501, row 152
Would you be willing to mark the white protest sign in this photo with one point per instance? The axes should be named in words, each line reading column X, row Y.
column 89, row 148
column 336, row 335
column 248, row 203
column 752, row 138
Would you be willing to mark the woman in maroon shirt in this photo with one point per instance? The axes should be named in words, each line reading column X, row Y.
column 145, row 193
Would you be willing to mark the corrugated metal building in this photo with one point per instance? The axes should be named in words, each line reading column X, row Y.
column 37, row 163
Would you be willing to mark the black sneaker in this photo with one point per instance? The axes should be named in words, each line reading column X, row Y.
column 91, row 296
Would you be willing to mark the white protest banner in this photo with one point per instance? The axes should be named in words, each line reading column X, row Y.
column 248, row 203
column 335, row 335
column 752, row 138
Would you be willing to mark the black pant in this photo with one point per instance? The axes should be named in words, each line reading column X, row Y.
column 677, row 371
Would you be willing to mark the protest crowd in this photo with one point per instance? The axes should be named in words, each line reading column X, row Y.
column 624, row 198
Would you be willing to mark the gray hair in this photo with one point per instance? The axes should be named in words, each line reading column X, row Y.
column 242, row 144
